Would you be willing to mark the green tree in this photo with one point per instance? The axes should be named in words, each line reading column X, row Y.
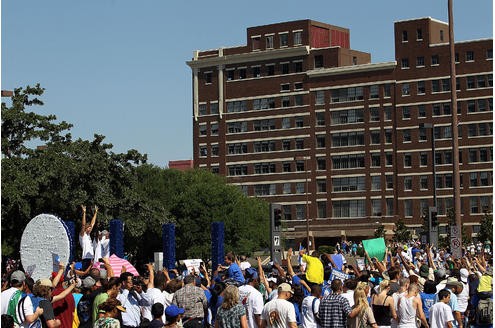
column 380, row 232
column 402, row 233
column 486, row 228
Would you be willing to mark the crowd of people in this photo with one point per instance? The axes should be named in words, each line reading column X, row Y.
column 411, row 285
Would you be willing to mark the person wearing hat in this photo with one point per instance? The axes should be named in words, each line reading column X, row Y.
column 108, row 313
column 454, row 286
column 11, row 297
column 173, row 315
column 251, row 298
column 42, row 297
column 463, row 296
column 90, row 288
column 280, row 312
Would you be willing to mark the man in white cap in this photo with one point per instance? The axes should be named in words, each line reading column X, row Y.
column 280, row 313
column 463, row 296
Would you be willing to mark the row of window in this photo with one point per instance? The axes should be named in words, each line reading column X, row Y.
column 477, row 205
column 283, row 40
column 435, row 59
column 258, row 71
column 443, row 85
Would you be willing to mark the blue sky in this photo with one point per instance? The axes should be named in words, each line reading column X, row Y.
column 117, row 67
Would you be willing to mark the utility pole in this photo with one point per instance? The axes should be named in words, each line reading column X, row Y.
column 455, row 138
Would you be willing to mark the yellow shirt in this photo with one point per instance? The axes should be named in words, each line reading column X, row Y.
column 485, row 285
column 314, row 269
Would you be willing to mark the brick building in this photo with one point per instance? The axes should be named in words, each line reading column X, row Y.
column 299, row 118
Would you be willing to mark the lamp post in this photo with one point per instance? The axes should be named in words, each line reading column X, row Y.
column 432, row 235
column 305, row 159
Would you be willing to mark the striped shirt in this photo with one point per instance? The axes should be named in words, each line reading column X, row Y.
column 333, row 311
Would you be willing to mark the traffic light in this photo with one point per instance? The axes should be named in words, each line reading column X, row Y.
column 434, row 219
column 277, row 217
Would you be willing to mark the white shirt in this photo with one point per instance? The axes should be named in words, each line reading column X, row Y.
column 307, row 315
column 87, row 246
column 105, row 247
column 349, row 295
column 278, row 313
column 156, row 296
column 463, row 298
column 244, row 265
column 6, row 295
column 440, row 313
column 252, row 300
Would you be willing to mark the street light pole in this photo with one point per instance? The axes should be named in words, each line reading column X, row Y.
column 305, row 158
column 432, row 236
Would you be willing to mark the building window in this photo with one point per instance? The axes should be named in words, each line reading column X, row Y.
column 376, row 182
column 423, row 159
column 298, row 67
column 441, row 35
column 388, row 136
column 435, row 60
column 286, row 144
column 298, row 100
column 435, row 86
column 387, row 90
column 375, row 137
column 320, row 141
column 299, row 166
column 349, row 208
column 375, row 160
column 318, row 61
column 321, row 163
column 374, row 114
column 389, row 159
column 389, row 179
column 388, row 113
column 230, row 74
column 469, row 56
column 203, row 151
column 348, row 184
column 202, row 130
column 255, row 42
column 214, row 129
column 421, row 88
column 285, row 101
column 376, row 207
column 270, row 70
column 320, row 97
column 406, row 112
column 298, row 86
column 404, row 63
column 285, row 68
column 404, row 36
column 287, row 188
column 213, row 108
column 389, row 210
column 285, row 87
column 242, row 73
column 256, row 71
column 320, row 118
column 406, row 135
column 405, row 89
column 423, row 182
column 374, row 92
column 214, row 150
column 419, row 34
column 269, row 42
column 300, row 188
column 299, row 143
column 422, row 134
column 208, row 77
column 420, row 61
column 238, row 148
column 407, row 160
column 299, row 122
column 202, row 109
column 300, row 212
column 489, row 54
column 408, row 209
column 286, row 167
column 297, row 38
column 321, row 185
column 322, row 210
column 284, row 39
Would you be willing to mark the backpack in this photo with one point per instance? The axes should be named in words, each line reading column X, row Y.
column 484, row 312
column 12, row 306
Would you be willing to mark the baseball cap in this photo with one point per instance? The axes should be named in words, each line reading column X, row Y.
column 424, row 270
column 88, row 282
column 285, row 287
column 452, row 281
column 45, row 282
column 173, row 311
column 440, row 273
column 464, row 274
column 17, row 276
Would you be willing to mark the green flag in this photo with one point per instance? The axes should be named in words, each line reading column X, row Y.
column 375, row 248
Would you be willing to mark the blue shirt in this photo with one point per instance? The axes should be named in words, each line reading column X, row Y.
column 427, row 301
column 235, row 272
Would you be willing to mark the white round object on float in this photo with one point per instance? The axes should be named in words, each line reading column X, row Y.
column 44, row 243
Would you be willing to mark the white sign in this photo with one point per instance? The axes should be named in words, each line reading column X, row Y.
column 276, row 240
column 192, row 264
